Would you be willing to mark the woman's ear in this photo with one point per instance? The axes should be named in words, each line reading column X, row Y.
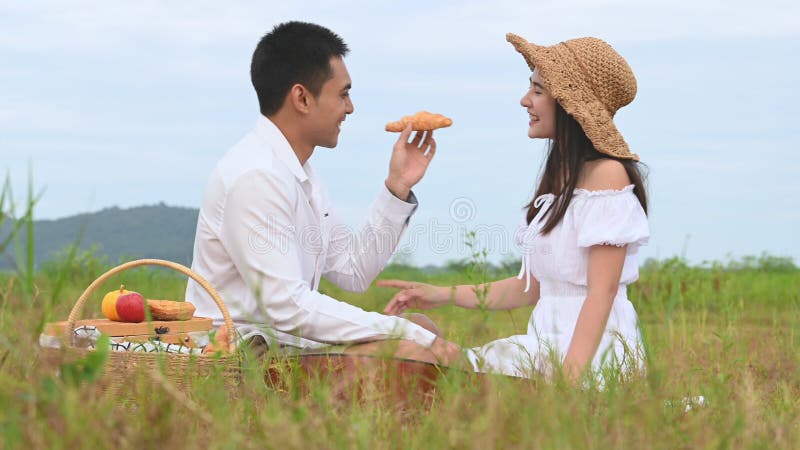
column 300, row 98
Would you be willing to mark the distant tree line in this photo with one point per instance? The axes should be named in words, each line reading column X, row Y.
column 155, row 231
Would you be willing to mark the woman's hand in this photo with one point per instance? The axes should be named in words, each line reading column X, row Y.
column 414, row 295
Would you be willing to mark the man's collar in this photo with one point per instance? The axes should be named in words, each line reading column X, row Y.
column 280, row 146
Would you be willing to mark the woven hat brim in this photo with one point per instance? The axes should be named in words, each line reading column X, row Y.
column 572, row 93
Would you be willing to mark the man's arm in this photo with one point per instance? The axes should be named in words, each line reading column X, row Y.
column 354, row 260
column 258, row 232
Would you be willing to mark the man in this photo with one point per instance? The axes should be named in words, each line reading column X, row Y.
column 267, row 231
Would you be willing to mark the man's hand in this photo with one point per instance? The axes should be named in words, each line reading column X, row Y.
column 445, row 352
column 441, row 352
column 409, row 161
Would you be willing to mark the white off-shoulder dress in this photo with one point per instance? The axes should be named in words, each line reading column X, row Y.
column 559, row 262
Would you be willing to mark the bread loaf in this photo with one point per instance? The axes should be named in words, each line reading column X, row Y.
column 170, row 310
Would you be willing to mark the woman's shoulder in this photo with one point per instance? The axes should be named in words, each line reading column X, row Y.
column 605, row 210
column 603, row 175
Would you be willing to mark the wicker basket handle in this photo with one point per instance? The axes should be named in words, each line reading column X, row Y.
column 78, row 308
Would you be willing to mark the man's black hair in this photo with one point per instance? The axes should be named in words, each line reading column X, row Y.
column 293, row 53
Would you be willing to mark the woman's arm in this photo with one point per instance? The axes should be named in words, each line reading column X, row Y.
column 503, row 294
column 604, row 272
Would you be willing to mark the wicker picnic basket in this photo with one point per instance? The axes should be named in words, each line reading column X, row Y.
column 180, row 369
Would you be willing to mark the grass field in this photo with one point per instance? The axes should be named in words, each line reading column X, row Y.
column 729, row 332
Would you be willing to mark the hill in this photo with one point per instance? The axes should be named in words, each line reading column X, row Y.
column 155, row 231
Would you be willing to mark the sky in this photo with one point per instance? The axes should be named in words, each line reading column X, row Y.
column 132, row 103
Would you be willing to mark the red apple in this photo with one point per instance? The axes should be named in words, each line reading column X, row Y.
column 130, row 307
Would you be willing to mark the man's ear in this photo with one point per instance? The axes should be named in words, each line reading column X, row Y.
column 300, row 98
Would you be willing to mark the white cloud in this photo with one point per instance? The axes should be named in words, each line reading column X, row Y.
column 409, row 28
column 30, row 115
column 101, row 26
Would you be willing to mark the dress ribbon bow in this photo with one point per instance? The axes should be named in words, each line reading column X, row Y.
column 543, row 202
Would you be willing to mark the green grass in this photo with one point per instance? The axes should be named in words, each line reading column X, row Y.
column 728, row 332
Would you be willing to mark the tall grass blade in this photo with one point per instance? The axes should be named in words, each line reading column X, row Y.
column 26, row 259
column 62, row 275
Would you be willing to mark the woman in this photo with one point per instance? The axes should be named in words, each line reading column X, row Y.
column 581, row 232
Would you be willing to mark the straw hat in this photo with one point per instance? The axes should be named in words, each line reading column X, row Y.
column 591, row 81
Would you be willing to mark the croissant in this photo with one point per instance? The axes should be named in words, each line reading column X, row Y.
column 421, row 121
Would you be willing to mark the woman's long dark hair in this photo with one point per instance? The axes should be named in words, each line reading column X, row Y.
column 568, row 152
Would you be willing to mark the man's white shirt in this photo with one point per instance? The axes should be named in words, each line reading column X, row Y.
column 267, row 233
